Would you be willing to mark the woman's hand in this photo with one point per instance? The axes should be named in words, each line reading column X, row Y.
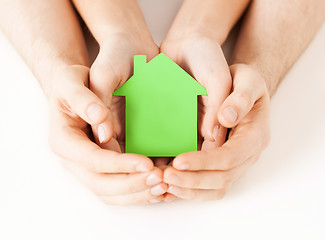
column 115, row 177
column 111, row 69
column 202, row 57
column 209, row 173
column 121, row 31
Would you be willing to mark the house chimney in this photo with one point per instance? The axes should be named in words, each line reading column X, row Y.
column 139, row 62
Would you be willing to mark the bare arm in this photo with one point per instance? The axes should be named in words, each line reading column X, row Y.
column 45, row 33
column 107, row 18
column 48, row 36
column 214, row 18
column 275, row 33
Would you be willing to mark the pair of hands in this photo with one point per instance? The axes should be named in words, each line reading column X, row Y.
column 82, row 97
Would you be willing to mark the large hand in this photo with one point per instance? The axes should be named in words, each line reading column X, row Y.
column 115, row 177
column 208, row 174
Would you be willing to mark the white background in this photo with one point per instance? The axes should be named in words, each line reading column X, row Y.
column 282, row 196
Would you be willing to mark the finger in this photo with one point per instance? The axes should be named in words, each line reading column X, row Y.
column 79, row 98
column 248, row 138
column 206, row 179
column 144, row 197
column 196, row 194
column 73, row 144
column 112, row 145
column 212, row 71
column 161, row 161
column 248, row 88
column 114, row 184
column 168, row 197
column 103, row 82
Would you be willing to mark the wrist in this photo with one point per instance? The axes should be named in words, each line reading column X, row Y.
column 113, row 17
column 214, row 18
column 197, row 30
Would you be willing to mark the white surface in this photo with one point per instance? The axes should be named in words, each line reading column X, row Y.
column 281, row 197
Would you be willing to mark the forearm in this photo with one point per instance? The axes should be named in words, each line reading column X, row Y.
column 46, row 33
column 113, row 17
column 214, row 18
column 275, row 33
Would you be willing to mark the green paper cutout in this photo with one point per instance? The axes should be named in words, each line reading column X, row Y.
column 161, row 108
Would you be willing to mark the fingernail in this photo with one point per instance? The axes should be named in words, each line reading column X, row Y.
column 174, row 190
column 230, row 114
column 101, row 134
column 154, row 200
column 142, row 168
column 157, row 190
column 95, row 112
column 173, row 179
column 215, row 132
column 184, row 166
column 153, row 179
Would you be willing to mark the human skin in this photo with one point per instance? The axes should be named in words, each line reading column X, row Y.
column 273, row 35
column 48, row 36
column 61, row 66
column 194, row 42
column 121, row 34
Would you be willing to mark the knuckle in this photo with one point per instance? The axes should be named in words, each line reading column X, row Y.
column 133, row 187
column 196, row 181
column 244, row 98
column 226, row 179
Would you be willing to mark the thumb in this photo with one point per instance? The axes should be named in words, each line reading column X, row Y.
column 103, row 83
column 248, row 88
column 82, row 100
column 218, row 88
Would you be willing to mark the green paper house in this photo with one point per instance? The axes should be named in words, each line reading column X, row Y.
column 161, row 108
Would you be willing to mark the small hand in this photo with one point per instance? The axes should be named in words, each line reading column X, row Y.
column 115, row 177
column 202, row 57
column 113, row 67
column 208, row 174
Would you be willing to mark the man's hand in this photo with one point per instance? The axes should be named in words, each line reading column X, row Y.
column 208, row 174
column 115, row 177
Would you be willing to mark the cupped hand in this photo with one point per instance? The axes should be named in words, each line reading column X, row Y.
column 202, row 57
column 117, row 178
column 209, row 173
column 113, row 67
